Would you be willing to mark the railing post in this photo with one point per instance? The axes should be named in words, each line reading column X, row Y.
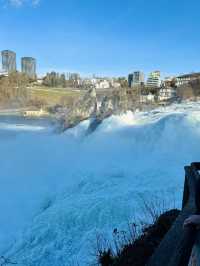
column 186, row 193
column 176, row 247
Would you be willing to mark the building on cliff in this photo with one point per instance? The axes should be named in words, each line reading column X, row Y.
column 148, row 98
column 186, row 78
column 166, row 94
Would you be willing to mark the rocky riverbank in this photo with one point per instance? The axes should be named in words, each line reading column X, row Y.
column 92, row 105
column 98, row 108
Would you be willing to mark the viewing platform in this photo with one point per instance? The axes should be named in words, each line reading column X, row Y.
column 181, row 246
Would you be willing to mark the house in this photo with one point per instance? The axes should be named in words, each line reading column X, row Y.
column 166, row 93
column 102, row 84
column 148, row 98
column 185, row 79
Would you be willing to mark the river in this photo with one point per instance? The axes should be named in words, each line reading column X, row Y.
column 58, row 191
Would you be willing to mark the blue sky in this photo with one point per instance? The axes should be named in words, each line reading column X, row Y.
column 104, row 37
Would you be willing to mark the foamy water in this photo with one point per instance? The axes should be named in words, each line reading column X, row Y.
column 20, row 127
column 58, row 191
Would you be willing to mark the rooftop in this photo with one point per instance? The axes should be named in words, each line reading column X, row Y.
column 7, row 51
column 190, row 75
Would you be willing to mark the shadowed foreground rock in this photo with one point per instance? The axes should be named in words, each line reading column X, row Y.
column 139, row 252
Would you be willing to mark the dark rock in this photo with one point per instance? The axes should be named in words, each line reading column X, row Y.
column 140, row 250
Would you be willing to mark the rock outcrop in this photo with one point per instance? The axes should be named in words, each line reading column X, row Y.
column 114, row 102
column 84, row 108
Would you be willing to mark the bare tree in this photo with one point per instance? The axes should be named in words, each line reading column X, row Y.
column 14, row 88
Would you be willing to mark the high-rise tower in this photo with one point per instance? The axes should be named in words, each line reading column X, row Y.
column 28, row 66
column 8, row 61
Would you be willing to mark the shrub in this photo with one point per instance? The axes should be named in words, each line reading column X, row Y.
column 138, row 249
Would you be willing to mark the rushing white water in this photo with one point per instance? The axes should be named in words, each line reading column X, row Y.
column 58, row 191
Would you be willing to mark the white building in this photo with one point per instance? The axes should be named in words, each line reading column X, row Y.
column 40, row 81
column 102, row 84
column 168, row 81
column 166, row 93
column 115, row 84
column 92, row 81
column 149, row 98
column 154, row 80
column 3, row 73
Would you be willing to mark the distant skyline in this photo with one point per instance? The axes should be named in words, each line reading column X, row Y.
column 109, row 38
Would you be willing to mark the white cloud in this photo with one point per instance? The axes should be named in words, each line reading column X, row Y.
column 19, row 3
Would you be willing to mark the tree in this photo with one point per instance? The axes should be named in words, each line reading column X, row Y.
column 62, row 81
column 14, row 88
column 123, row 82
column 54, row 79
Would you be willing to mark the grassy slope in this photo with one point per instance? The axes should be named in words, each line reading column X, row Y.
column 53, row 96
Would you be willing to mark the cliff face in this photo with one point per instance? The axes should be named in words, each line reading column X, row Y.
column 83, row 109
column 117, row 102
column 114, row 104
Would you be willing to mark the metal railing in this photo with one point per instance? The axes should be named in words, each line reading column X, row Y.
column 176, row 247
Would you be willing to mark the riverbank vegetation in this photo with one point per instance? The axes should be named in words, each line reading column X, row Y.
column 134, row 248
column 14, row 88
